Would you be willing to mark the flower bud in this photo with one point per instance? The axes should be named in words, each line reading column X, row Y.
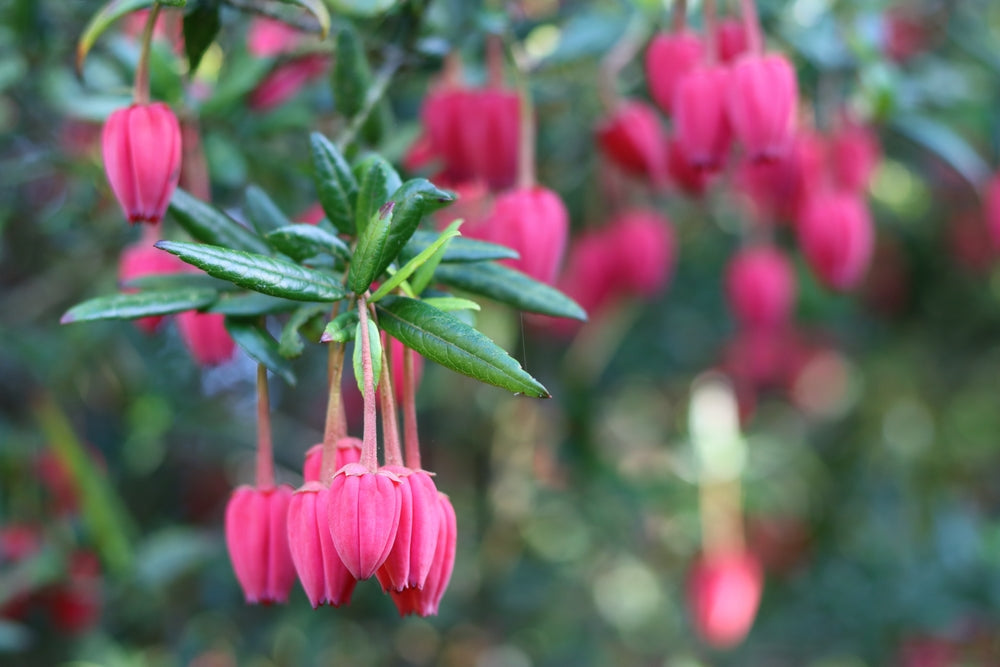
column 837, row 237
column 323, row 575
column 731, row 37
column 643, row 244
column 257, row 539
column 724, row 592
column 702, row 127
column 206, row 337
column 633, row 139
column 425, row 601
column 760, row 287
column 363, row 517
column 854, row 156
column 668, row 59
column 141, row 145
column 348, row 451
column 412, row 553
column 140, row 260
column 762, row 100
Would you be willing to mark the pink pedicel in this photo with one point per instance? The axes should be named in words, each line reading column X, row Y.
column 141, row 145
column 257, row 538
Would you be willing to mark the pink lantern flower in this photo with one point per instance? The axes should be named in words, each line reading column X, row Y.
column 731, row 37
column 348, row 451
column 701, row 125
column 363, row 517
column 762, row 103
column 141, row 145
column 206, row 337
column 644, row 250
column 760, row 286
column 854, row 156
column 724, row 592
column 837, row 237
column 140, row 260
column 425, row 601
column 287, row 79
column 669, row 58
column 257, row 538
column 633, row 139
column 323, row 575
column 269, row 37
column 412, row 555
column 689, row 179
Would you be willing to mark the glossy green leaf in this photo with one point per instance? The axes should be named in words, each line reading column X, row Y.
column 105, row 16
column 341, row 328
column 369, row 250
column 263, row 213
column 511, row 287
column 257, row 342
column 408, row 269
column 375, row 340
column 201, row 25
column 207, row 224
column 317, row 9
column 248, row 304
column 291, row 344
column 378, row 181
column 446, row 340
column 140, row 304
column 451, row 303
column 336, row 187
column 946, row 144
column 460, row 250
column 413, row 200
column 302, row 241
column 173, row 281
column 362, row 8
column 267, row 275
column 351, row 74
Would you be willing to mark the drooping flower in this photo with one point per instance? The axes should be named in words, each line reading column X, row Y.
column 140, row 260
column 731, row 38
column 854, row 156
column 285, row 80
column 724, row 592
column 633, row 139
column 760, row 287
column 257, row 539
column 762, row 104
column 702, row 127
column 141, row 145
column 206, row 337
column 324, row 577
column 412, row 555
column 837, row 237
column 643, row 245
column 363, row 517
column 425, row 601
column 668, row 59
column 348, row 450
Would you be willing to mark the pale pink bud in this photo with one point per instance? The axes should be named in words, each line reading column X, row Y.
column 141, row 145
column 701, row 124
column 140, row 260
column 731, row 37
column 425, row 601
column 724, row 592
column 364, row 517
column 348, row 451
column 854, row 156
column 270, row 37
column 668, row 59
column 323, row 575
column 837, row 237
column 762, row 103
column 412, row 553
column 206, row 337
column 643, row 243
column 257, row 538
column 760, row 286
column 285, row 80
column 633, row 139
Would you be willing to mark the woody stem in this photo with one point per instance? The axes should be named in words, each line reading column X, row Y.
column 265, row 458
column 410, row 410
column 369, row 445
column 141, row 94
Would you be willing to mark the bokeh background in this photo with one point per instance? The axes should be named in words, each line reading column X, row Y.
column 872, row 485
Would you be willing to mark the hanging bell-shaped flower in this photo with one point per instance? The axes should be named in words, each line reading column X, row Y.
column 257, row 538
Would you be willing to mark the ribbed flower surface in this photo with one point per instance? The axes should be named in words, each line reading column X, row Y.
column 425, row 601
column 348, row 451
column 323, row 575
column 257, row 539
column 762, row 99
column 363, row 517
column 412, row 554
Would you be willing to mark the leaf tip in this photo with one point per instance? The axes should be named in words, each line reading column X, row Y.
column 67, row 318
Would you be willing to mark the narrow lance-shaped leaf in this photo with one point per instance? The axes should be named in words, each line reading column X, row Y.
column 172, row 281
column 375, row 340
column 317, row 9
column 209, row 225
column 413, row 200
column 105, row 16
column 460, row 250
column 511, row 287
column 140, row 304
column 368, row 252
column 446, row 340
column 378, row 181
column 302, row 241
column 436, row 248
column 291, row 344
column 264, row 214
column 336, row 186
column 257, row 342
column 267, row 275
column 362, row 8
column 353, row 82
column 341, row 328
column 201, row 25
column 451, row 303
column 248, row 304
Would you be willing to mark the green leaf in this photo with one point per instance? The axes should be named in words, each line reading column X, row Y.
column 291, row 344
column 378, row 181
column 257, row 342
column 442, row 338
column 336, row 186
column 251, row 303
column 511, row 287
column 946, row 144
column 362, row 8
column 352, row 77
column 105, row 16
column 209, row 225
column 460, row 250
column 317, row 9
column 201, row 25
column 436, row 248
column 414, row 199
column 375, row 340
column 341, row 328
column 264, row 214
column 140, row 304
column 451, row 303
column 267, row 275
column 302, row 241
column 368, row 252
column 172, row 281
